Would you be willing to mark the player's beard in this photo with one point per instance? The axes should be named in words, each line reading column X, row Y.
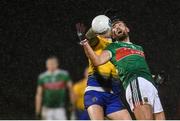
column 121, row 37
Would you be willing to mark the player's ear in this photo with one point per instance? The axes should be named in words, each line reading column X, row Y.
column 127, row 29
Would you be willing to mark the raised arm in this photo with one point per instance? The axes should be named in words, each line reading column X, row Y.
column 93, row 41
column 92, row 38
column 95, row 59
column 90, row 35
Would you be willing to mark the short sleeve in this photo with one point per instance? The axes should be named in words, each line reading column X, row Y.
column 40, row 80
column 67, row 76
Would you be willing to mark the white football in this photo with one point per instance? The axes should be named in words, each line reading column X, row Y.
column 101, row 24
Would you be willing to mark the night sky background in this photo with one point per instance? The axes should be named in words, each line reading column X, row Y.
column 32, row 30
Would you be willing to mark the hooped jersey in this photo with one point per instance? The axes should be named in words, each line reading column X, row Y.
column 54, row 85
column 130, row 61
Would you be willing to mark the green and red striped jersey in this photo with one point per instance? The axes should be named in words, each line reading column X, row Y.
column 54, row 85
column 130, row 62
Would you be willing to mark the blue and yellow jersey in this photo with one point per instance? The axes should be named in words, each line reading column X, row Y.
column 108, row 69
column 78, row 90
column 105, row 77
column 100, row 77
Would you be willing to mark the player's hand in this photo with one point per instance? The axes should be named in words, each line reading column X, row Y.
column 80, row 28
column 83, row 42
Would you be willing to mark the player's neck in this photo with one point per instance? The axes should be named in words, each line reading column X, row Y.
column 126, row 39
column 52, row 71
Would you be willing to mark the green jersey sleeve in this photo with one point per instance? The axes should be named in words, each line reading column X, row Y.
column 66, row 76
column 40, row 79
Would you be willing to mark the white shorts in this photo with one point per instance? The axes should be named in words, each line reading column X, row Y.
column 53, row 113
column 140, row 91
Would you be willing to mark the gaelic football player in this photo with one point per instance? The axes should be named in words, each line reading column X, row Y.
column 78, row 98
column 129, row 59
column 100, row 100
column 51, row 91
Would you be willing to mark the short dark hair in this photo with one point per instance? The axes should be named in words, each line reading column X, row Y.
column 114, row 15
column 115, row 22
column 52, row 57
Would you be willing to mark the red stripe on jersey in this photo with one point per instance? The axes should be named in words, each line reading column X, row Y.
column 54, row 85
column 123, row 52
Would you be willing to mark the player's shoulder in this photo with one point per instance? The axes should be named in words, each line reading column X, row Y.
column 111, row 45
column 139, row 47
column 96, row 42
column 43, row 74
column 104, row 39
column 76, row 85
column 62, row 71
column 79, row 84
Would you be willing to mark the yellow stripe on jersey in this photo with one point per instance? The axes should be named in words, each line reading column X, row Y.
column 108, row 68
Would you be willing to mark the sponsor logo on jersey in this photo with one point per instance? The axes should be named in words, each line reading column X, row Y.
column 124, row 52
column 54, row 85
column 94, row 99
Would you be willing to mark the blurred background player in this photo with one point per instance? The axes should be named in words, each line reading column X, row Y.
column 100, row 100
column 51, row 91
column 78, row 98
